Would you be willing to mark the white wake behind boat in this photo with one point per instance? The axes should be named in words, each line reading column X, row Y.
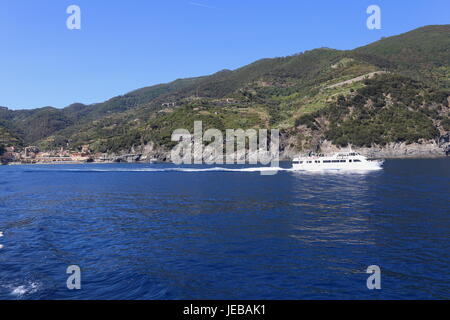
column 339, row 161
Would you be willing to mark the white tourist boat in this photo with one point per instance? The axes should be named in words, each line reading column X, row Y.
column 339, row 161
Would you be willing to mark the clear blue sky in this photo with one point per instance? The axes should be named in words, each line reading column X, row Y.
column 125, row 45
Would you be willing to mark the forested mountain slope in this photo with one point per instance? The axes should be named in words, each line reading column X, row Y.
column 393, row 90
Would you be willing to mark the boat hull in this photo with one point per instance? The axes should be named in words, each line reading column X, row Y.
column 362, row 166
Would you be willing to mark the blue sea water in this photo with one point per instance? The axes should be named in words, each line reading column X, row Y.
column 151, row 232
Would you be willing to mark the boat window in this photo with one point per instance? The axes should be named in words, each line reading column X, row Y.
column 335, row 161
column 350, row 160
column 343, row 160
column 326, row 161
column 356, row 160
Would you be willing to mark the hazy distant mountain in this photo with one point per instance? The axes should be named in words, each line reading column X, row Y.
column 394, row 90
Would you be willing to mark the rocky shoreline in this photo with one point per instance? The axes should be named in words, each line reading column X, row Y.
column 151, row 154
column 430, row 149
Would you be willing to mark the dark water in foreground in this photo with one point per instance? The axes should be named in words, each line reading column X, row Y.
column 224, row 235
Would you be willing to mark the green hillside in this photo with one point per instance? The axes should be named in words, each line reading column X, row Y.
column 393, row 90
column 423, row 54
column 388, row 108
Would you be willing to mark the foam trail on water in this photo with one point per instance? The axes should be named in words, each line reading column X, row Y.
column 221, row 169
column 215, row 169
column 29, row 288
